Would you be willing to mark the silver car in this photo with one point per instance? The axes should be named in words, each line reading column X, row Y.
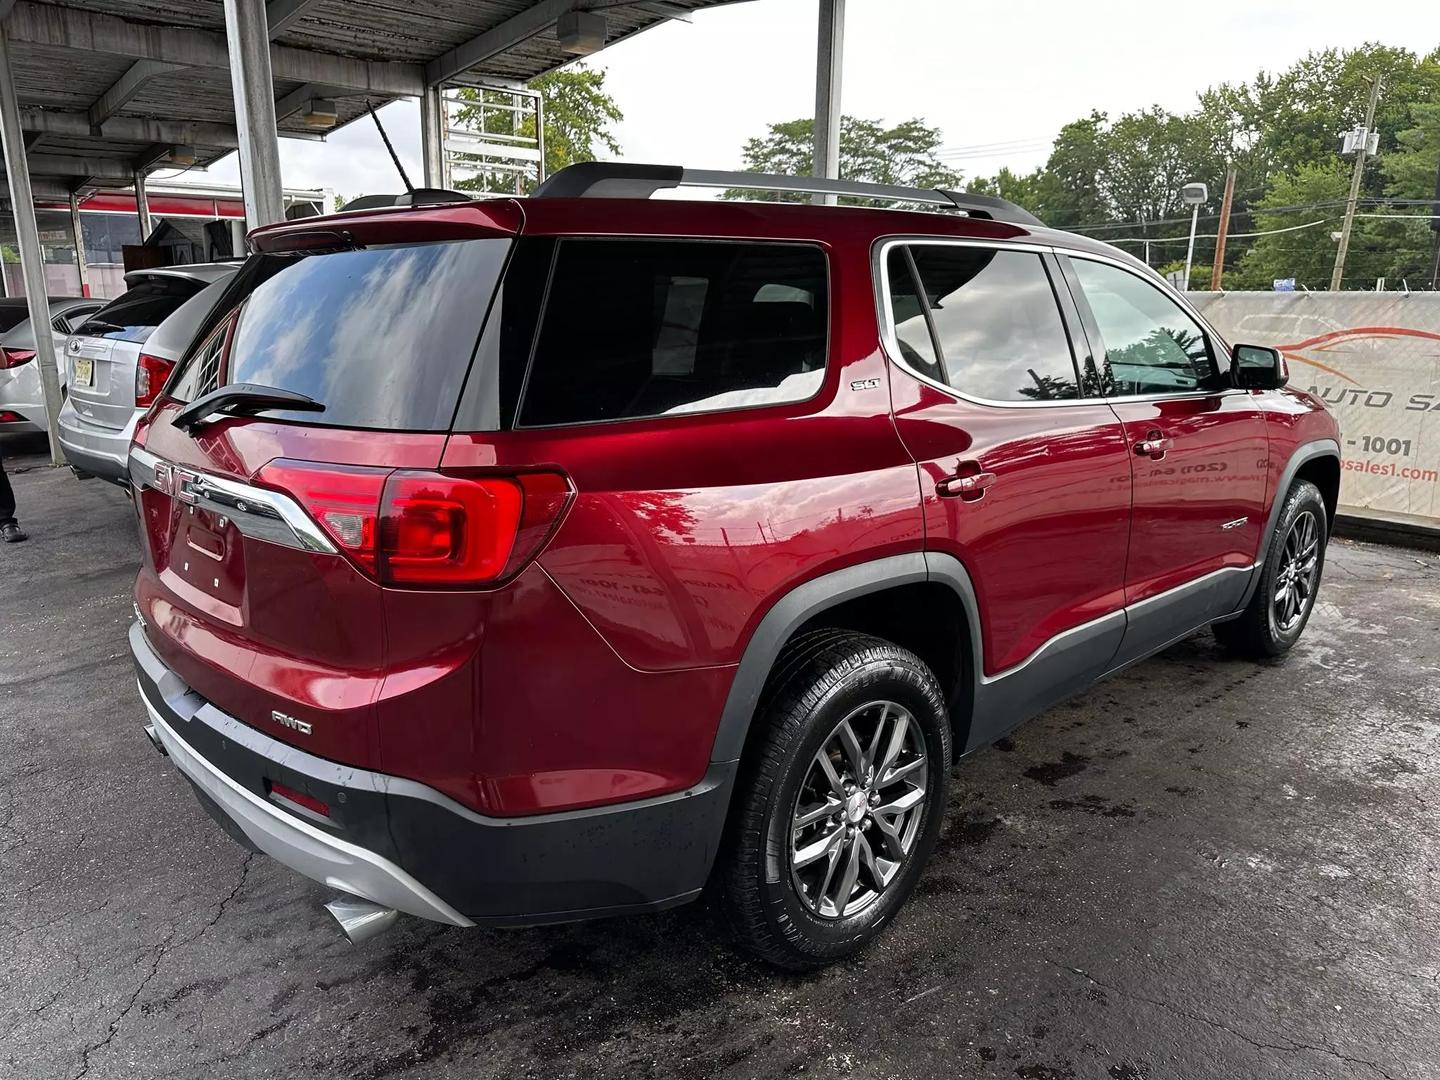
column 22, row 405
column 118, row 360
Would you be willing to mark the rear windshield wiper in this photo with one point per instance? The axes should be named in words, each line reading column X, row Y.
column 97, row 326
column 242, row 399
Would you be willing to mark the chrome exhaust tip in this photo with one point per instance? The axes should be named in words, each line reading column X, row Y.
column 154, row 738
column 360, row 919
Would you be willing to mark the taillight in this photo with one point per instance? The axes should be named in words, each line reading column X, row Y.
column 444, row 530
column 150, row 375
column 428, row 529
column 344, row 500
column 13, row 358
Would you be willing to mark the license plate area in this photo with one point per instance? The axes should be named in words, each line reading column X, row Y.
column 83, row 372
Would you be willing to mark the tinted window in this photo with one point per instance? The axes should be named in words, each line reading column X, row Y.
column 134, row 315
column 12, row 315
column 176, row 333
column 999, row 328
column 637, row 328
column 1150, row 345
column 381, row 336
column 912, row 330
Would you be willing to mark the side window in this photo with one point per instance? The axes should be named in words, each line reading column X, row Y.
column 1151, row 346
column 639, row 328
column 907, row 314
column 997, row 323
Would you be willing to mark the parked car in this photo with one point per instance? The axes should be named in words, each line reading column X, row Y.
column 22, row 404
column 525, row 561
column 113, row 373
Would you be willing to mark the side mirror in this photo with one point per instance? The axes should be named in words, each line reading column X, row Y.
column 1256, row 367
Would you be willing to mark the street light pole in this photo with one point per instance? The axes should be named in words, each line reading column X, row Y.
column 1190, row 250
column 1355, row 180
column 1192, row 195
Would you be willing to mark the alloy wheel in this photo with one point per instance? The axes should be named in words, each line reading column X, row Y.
column 1299, row 567
column 858, row 811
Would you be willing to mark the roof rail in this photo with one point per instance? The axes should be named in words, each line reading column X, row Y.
column 619, row 180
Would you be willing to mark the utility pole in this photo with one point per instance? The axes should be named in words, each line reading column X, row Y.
column 1435, row 225
column 1355, row 180
column 1224, row 229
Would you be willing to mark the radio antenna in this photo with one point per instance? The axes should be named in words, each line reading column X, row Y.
column 386, row 139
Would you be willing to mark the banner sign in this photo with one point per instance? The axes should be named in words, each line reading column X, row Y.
column 1374, row 359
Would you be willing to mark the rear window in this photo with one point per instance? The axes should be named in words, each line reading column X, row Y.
column 12, row 315
column 135, row 314
column 381, row 336
column 643, row 328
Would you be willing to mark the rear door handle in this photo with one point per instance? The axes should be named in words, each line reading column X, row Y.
column 969, row 487
column 1154, row 445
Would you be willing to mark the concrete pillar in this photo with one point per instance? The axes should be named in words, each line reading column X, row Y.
column 27, row 234
column 142, row 207
column 248, row 35
column 432, row 136
column 829, row 54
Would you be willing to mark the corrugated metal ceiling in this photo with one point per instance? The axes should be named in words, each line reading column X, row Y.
column 71, row 80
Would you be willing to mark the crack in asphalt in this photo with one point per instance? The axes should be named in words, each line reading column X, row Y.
column 1288, row 1047
column 164, row 948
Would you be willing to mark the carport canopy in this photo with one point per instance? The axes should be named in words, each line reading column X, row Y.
column 97, row 95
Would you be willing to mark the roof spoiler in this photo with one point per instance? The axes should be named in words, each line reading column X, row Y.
column 619, row 180
column 418, row 197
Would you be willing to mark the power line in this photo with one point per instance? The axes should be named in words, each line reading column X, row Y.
column 1375, row 200
column 1212, row 236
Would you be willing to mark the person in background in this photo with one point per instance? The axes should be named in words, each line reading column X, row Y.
column 10, row 531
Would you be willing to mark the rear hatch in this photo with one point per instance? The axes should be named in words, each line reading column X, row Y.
column 285, row 546
column 101, row 356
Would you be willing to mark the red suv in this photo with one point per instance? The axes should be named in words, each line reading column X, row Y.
column 531, row 560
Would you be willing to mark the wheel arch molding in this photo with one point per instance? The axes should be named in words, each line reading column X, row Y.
column 815, row 597
column 1301, row 456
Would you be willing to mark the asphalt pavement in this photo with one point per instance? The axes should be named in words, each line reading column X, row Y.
column 1201, row 868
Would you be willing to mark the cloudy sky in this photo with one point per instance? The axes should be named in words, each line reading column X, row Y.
column 998, row 79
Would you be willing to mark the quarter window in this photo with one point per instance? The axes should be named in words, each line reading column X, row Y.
column 997, row 326
column 1151, row 346
column 907, row 311
column 643, row 328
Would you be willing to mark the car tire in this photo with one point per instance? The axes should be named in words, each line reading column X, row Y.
column 1289, row 580
column 805, row 789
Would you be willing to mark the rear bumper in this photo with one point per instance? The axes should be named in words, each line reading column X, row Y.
column 99, row 451
column 407, row 846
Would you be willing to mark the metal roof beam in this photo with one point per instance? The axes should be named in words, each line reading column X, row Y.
column 151, row 156
column 73, row 28
column 664, row 10
column 41, row 122
column 301, row 96
column 126, row 87
column 281, row 13
column 68, row 165
column 492, row 42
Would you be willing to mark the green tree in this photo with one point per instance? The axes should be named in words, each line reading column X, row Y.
column 904, row 154
column 1307, row 255
column 579, row 119
column 1410, row 173
column 1020, row 188
column 1068, row 191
